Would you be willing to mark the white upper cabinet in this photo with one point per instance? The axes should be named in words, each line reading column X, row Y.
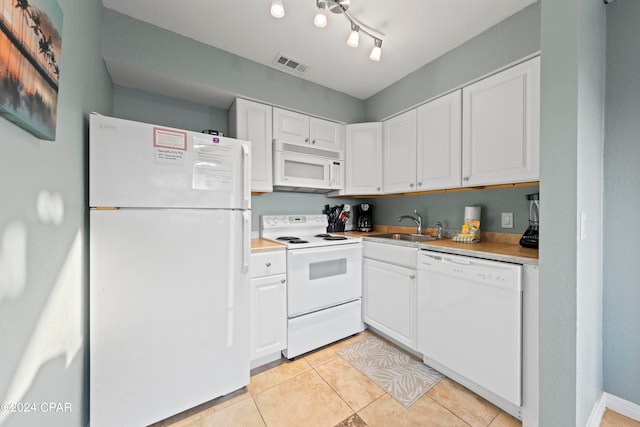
column 326, row 134
column 289, row 126
column 363, row 158
column 501, row 127
column 399, row 153
column 252, row 121
column 439, row 143
column 301, row 129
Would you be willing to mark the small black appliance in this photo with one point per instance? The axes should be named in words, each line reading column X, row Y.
column 530, row 237
column 365, row 217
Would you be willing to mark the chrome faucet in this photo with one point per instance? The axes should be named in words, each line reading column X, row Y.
column 439, row 225
column 417, row 219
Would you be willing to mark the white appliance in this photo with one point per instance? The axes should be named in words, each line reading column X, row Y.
column 324, row 291
column 307, row 169
column 470, row 324
column 169, row 257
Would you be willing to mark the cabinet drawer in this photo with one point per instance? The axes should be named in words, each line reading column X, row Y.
column 268, row 263
column 393, row 254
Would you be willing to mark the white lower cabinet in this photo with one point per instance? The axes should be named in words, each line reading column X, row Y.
column 389, row 291
column 268, row 306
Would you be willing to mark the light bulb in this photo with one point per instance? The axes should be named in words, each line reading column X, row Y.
column 320, row 20
column 277, row 9
column 354, row 36
column 376, row 51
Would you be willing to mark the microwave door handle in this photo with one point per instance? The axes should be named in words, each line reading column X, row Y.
column 246, row 178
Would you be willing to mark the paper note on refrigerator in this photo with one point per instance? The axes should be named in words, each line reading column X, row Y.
column 170, row 145
column 213, row 167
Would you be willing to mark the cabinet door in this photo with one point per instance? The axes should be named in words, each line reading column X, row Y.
column 501, row 127
column 326, row 134
column 268, row 315
column 439, row 150
column 363, row 157
column 291, row 127
column 252, row 121
column 389, row 300
column 399, row 153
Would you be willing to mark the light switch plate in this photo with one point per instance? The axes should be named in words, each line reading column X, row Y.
column 507, row 219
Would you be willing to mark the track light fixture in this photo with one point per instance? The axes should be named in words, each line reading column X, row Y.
column 337, row 6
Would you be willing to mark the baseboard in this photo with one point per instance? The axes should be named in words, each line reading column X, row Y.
column 621, row 406
column 616, row 404
column 598, row 411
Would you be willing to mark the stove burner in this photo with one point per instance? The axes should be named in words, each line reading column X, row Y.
column 290, row 239
column 335, row 238
column 326, row 236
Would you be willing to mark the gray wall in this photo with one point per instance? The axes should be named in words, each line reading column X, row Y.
column 622, row 202
column 43, row 319
column 130, row 43
column 508, row 41
column 138, row 105
column 572, row 112
column 448, row 208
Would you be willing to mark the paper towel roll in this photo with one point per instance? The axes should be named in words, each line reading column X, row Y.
column 472, row 212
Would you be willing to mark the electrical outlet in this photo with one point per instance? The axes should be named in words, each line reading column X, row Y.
column 507, row 219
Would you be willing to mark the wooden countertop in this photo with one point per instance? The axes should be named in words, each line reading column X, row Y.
column 497, row 246
column 494, row 250
column 264, row 245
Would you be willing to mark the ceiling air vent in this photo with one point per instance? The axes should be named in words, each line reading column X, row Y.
column 290, row 64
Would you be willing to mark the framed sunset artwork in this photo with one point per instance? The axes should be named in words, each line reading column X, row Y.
column 30, row 49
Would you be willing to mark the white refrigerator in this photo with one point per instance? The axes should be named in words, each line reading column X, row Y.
column 170, row 228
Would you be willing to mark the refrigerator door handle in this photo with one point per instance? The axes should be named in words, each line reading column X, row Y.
column 246, row 241
column 246, row 184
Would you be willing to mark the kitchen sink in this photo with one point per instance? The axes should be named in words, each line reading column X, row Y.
column 406, row 237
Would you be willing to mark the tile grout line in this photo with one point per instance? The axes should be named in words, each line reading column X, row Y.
column 259, row 411
column 450, row 411
column 335, row 391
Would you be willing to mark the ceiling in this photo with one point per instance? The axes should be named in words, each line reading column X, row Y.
column 414, row 33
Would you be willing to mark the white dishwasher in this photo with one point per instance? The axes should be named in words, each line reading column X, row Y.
column 470, row 323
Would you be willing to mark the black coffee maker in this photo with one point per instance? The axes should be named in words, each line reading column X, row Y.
column 530, row 237
column 364, row 221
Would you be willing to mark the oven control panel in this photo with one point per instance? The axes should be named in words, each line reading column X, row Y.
column 288, row 221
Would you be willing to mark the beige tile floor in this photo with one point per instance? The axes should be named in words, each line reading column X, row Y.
column 320, row 389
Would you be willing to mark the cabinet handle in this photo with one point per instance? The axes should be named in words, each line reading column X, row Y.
column 466, row 178
column 419, row 184
column 378, row 189
column 282, row 281
column 412, row 276
column 268, row 264
column 306, row 140
column 411, row 185
column 313, row 141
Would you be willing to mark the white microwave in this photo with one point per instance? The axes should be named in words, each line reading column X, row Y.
column 306, row 169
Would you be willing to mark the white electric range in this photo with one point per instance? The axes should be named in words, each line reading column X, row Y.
column 324, row 289
column 301, row 231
